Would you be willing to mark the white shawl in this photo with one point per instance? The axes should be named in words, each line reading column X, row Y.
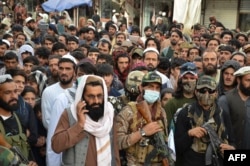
column 101, row 129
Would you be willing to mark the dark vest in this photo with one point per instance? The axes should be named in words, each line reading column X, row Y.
column 237, row 110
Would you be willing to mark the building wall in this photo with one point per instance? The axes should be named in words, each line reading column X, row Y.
column 225, row 11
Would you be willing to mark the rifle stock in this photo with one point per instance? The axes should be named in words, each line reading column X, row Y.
column 3, row 142
column 144, row 110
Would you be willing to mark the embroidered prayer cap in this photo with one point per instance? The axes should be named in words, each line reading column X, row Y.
column 4, row 78
column 70, row 57
column 29, row 19
column 150, row 49
column 242, row 71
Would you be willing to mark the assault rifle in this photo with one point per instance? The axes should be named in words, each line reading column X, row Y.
column 212, row 156
column 14, row 149
column 160, row 146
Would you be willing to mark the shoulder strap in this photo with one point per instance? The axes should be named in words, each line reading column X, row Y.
column 2, row 130
column 18, row 123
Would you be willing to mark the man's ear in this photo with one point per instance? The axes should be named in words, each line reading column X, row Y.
column 195, row 92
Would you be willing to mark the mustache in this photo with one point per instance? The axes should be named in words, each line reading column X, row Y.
column 95, row 105
column 13, row 100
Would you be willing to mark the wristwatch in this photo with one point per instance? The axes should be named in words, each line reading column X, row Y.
column 142, row 132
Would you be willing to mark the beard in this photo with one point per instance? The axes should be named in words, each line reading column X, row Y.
column 96, row 111
column 150, row 67
column 65, row 81
column 148, row 35
column 210, row 70
column 6, row 105
column 173, row 42
column 244, row 90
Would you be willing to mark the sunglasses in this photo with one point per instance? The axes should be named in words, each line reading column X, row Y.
column 204, row 90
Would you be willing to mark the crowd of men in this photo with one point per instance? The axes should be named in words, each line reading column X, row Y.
column 87, row 95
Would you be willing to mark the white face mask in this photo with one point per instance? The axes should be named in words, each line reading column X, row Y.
column 151, row 96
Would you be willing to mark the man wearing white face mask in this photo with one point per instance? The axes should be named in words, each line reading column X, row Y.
column 135, row 131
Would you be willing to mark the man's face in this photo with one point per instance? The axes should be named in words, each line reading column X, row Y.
column 72, row 32
column 101, row 61
column 3, row 48
column 151, row 60
column 12, row 44
column 242, row 40
column 34, row 85
column 31, row 25
column 66, row 73
column 53, row 67
column 225, row 39
column 199, row 66
column 20, row 82
column 148, row 33
column 8, row 96
column 42, row 61
column 20, row 40
column 174, row 38
column 224, row 56
column 152, row 86
column 151, row 43
column 93, row 56
column 108, row 80
column 165, row 98
column 30, row 98
column 10, row 63
column 228, row 77
column 120, row 39
column 27, row 67
column 122, row 64
column 90, row 36
column 25, row 55
column 158, row 37
column 60, row 52
column 244, row 84
column 196, row 41
column 136, row 59
column 103, row 48
column 72, row 45
column 112, row 31
column 203, row 42
column 94, row 97
column 62, row 39
column 240, row 59
column 193, row 53
column 213, row 44
column 48, row 44
column 209, row 62
column 184, row 52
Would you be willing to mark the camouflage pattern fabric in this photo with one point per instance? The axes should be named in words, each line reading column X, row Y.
column 8, row 158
